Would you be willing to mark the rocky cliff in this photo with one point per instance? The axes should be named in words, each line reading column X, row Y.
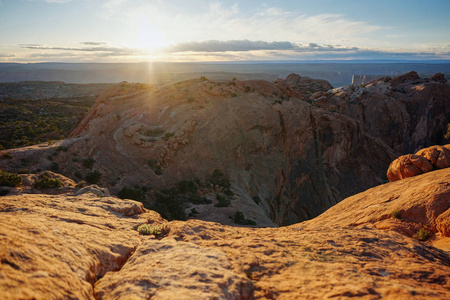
column 86, row 246
column 291, row 149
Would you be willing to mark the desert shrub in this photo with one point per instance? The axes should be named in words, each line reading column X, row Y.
column 218, row 178
column 447, row 135
column 248, row 89
column 47, row 182
column 240, row 219
column 156, row 230
column 153, row 132
column 222, row 201
column 228, row 192
column 191, row 99
column 78, row 174
column 88, row 162
column 203, row 78
column 7, row 155
column 422, row 234
column 130, row 193
column 10, row 179
column 396, row 214
column 197, row 199
column 23, row 171
column 186, row 186
column 93, row 177
column 168, row 135
column 81, row 184
column 169, row 206
column 193, row 212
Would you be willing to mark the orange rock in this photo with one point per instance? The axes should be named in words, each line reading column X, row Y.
column 443, row 222
column 421, row 162
column 407, row 166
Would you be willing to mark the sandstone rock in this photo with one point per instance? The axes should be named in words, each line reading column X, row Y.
column 443, row 223
column 423, row 161
column 57, row 247
column 407, row 166
column 94, row 189
column 421, row 201
column 321, row 153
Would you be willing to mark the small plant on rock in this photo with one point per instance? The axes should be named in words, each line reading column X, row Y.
column 10, row 179
column 396, row 214
column 156, row 230
column 46, row 182
column 422, row 234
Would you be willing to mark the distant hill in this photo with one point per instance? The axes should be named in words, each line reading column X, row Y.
column 337, row 73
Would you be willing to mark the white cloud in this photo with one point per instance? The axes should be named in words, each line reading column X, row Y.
column 219, row 22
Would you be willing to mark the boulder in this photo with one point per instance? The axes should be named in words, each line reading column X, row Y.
column 407, row 166
column 437, row 157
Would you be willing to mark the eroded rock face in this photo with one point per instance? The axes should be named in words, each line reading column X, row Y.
column 437, row 157
column 87, row 247
column 296, row 158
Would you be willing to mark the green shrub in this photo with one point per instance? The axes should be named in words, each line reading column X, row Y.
column 10, row 179
column 81, row 184
column 78, row 174
column 88, row 162
column 169, row 206
column 222, row 201
column 422, row 234
column 147, row 229
column 197, row 199
column 447, row 135
column 186, row 186
column 218, row 178
column 47, row 182
column 130, row 193
column 23, row 171
column 153, row 132
column 93, row 177
column 396, row 214
column 168, row 135
column 239, row 218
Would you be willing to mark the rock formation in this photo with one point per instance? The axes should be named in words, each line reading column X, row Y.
column 425, row 160
column 291, row 148
column 88, row 247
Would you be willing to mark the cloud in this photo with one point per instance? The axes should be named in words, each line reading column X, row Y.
column 217, row 21
column 247, row 45
column 101, row 50
column 93, row 43
column 7, row 55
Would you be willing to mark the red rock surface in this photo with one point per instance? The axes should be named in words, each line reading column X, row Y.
column 87, row 247
column 423, row 161
column 291, row 148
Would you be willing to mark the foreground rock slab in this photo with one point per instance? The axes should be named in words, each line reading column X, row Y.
column 87, row 247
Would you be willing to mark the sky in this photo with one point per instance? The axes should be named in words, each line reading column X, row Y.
column 223, row 30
